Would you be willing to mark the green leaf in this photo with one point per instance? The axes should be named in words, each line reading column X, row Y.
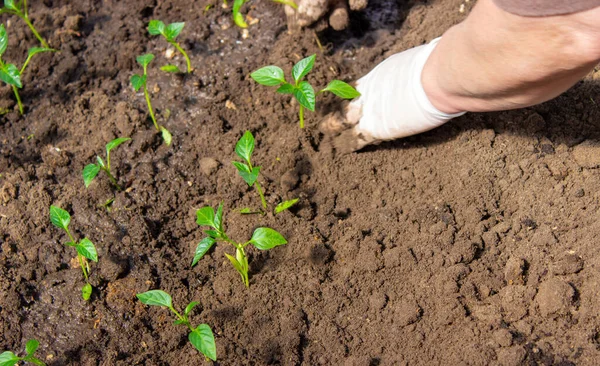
column 265, row 238
column 303, row 67
column 285, row 205
column 116, row 142
column 203, row 340
column 305, row 95
column 246, row 211
column 245, row 146
column 341, row 89
column 286, row 89
column 59, row 217
column 156, row 298
column 8, row 358
column 203, row 247
column 156, row 27
column 145, row 59
column 213, row 234
column 190, row 306
column 241, row 167
column 269, row 76
column 100, row 161
column 173, row 30
column 3, row 39
column 35, row 50
column 170, row 68
column 10, row 4
column 206, row 217
column 179, row 321
column 35, row 361
column 250, row 177
column 219, row 217
column 236, row 264
column 238, row 18
column 86, row 291
column 137, row 81
column 166, row 135
column 87, row 249
column 11, row 75
column 31, row 346
column 89, row 173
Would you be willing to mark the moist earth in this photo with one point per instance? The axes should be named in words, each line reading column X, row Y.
column 472, row 244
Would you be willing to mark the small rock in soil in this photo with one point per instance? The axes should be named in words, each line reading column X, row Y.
column 567, row 263
column 54, row 157
column 515, row 302
column 72, row 22
column 406, row 312
column 209, row 166
column 503, row 337
column 513, row 271
column 111, row 269
column 513, row 356
column 8, row 192
column 289, row 180
column 587, row 154
column 554, row 297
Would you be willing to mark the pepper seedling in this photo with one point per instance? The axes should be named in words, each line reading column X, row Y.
column 301, row 89
column 170, row 32
column 91, row 170
column 7, row 358
column 140, row 82
column 201, row 337
column 238, row 18
column 20, row 9
column 10, row 73
column 85, row 248
column 263, row 238
column 250, row 173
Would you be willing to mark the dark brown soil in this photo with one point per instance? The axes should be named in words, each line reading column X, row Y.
column 474, row 244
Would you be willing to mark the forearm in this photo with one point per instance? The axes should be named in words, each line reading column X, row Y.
column 496, row 60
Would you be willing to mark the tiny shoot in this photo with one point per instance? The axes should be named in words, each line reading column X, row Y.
column 140, row 82
column 170, row 32
column 301, row 89
column 250, row 173
column 91, row 170
column 10, row 73
column 8, row 358
column 85, row 248
column 20, row 9
column 201, row 337
column 263, row 238
column 238, row 18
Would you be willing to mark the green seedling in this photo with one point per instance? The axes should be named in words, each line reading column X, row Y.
column 85, row 248
column 250, row 173
column 91, row 170
column 10, row 73
column 20, row 9
column 140, row 82
column 238, row 18
column 8, row 358
column 301, row 89
column 201, row 337
column 263, row 238
column 170, row 32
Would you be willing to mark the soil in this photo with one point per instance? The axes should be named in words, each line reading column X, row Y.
column 473, row 244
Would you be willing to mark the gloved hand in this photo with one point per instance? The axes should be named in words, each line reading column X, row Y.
column 392, row 104
column 309, row 11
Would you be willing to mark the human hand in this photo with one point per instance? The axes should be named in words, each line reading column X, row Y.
column 310, row 11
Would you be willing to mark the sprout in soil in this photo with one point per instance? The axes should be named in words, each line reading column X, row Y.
column 8, row 358
column 170, row 32
column 300, row 89
column 244, row 149
column 201, row 337
column 20, row 9
column 85, row 248
column 140, row 82
column 91, row 170
column 238, row 18
column 263, row 238
column 9, row 73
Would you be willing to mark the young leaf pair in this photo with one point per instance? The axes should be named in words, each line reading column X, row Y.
column 10, row 73
column 238, row 18
column 201, row 337
column 140, row 82
column 91, row 170
column 7, row 358
column 301, row 89
column 170, row 32
column 20, row 9
column 263, row 238
column 85, row 248
column 244, row 149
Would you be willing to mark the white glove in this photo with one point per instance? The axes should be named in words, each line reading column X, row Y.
column 392, row 104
